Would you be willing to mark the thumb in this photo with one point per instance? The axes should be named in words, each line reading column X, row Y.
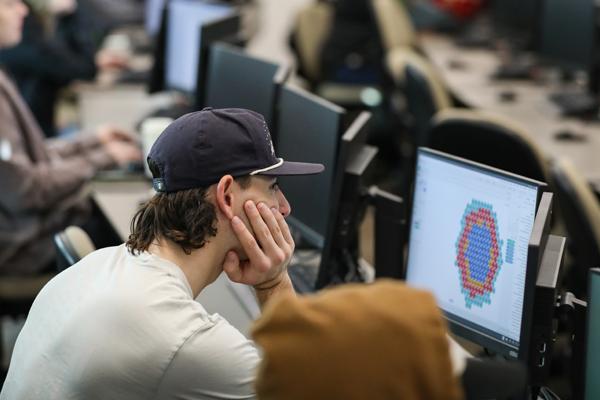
column 231, row 266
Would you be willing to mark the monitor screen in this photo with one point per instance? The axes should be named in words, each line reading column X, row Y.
column 309, row 131
column 153, row 15
column 469, row 234
column 567, row 33
column 236, row 79
column 592, row 357
column 183, row 40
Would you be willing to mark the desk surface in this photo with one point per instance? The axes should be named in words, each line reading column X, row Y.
column 471, row 83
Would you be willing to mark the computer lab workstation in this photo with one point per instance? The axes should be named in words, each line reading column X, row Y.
column 490, row 200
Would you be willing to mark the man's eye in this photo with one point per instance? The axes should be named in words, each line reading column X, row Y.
column 275, row 186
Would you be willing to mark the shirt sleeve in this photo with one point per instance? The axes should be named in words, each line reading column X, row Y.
column 215, row 363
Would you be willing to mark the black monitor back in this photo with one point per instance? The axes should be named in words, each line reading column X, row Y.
column 340, row 249
column 156, row 82
column 236, row 79
column 309, row 130
column 221, row 30
column 517, row 20
column 567, row 33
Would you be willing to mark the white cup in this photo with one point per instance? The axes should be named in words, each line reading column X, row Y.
column 150, row 130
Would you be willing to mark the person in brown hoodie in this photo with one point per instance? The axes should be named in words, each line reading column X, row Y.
column 41, row 183
column 379, row 341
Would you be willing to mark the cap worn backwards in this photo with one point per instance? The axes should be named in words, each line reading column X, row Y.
column 199, row 148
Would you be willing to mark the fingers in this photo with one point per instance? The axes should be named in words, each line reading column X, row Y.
column 263, row 232
column 249, row 244
column 283, row 227
column 274, row 228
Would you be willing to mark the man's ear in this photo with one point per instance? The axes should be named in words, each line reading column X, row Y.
column 225, row 195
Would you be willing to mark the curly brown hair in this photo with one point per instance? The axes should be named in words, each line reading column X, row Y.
column 185, row 217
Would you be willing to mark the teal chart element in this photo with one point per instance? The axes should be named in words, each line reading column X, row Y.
column 478, row 253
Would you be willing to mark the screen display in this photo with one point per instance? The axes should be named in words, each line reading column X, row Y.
column 153, row 14
column 592, row 362
column 469, row 237
column 183, row 40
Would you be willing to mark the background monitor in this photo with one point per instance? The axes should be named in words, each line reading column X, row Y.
column 567, row 33
column 469, row 242
column 184, row 41
column 309, row 129
column 236, row 79
column 152, row 17
column 592, row 354
column 339, row 258
column 517, row 19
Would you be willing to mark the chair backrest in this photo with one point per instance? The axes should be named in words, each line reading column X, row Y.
column 313, row 25
column 581, row 214
column 488, row 139
column 395, row 26
column 424, row 89
column 72, row 245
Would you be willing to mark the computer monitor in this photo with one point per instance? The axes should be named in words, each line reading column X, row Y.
column 517, row 20
column 568, row 29
column 156, row 79
column 592, row 353
column 309, row 129
column 236, row 79
column 186, row 41
column 152, row 16
column 470, row 244
column 339, row 258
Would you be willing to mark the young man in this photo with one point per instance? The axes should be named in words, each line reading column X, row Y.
column 122, row 323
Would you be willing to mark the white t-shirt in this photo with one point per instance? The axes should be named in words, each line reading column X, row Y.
column 118, row 326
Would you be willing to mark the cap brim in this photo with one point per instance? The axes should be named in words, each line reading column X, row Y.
column 294, row 168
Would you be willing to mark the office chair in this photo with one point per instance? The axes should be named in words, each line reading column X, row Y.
column 424, row 90
column 312, row 28
column 72, row 245
column 581, row 214
column 313, row 25
column 488, row 139
column 395, row 26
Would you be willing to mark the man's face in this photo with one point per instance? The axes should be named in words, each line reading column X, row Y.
column 261, row 189
column 12, row 13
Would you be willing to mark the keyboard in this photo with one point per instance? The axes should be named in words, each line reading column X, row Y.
column 303, row 277
column 304, row 270
column 575, row 103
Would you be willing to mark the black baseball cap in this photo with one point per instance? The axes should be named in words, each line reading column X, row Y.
column 199, row 148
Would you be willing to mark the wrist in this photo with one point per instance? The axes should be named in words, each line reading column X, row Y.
column 272, row 283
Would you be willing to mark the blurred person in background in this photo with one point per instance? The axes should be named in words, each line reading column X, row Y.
column 60, row 44
column 42, row 184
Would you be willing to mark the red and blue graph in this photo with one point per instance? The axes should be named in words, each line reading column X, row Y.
column 478, row 253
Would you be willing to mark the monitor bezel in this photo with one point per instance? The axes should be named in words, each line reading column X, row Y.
column 456, row 327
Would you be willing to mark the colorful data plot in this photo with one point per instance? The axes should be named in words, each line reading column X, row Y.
column 478, row 253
